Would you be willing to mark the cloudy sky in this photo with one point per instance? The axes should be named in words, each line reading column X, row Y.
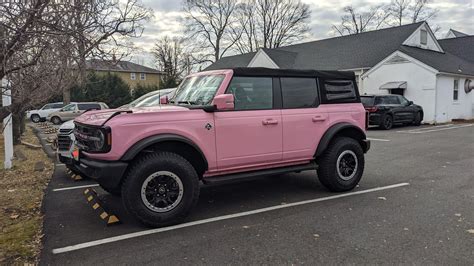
column 167, row 20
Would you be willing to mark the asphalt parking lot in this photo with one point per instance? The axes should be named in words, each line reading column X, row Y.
column 414, row 204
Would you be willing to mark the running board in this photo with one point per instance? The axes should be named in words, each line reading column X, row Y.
column 257, row 173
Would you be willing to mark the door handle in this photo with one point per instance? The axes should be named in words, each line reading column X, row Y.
column 319, row 118
column 270, row 122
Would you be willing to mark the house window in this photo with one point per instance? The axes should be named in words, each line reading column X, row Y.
column 142, row 76
column 133, row 76
column 456, row 90
column 423, row 37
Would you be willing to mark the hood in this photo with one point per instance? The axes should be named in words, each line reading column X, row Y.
column 98, row 118
column 67, row 125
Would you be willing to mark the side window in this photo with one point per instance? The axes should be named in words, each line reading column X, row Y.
column 70, row 107
column 47, row 107
column 456, row 90
column 423, row 37
column 58, row 105
column 340, row 91
column 252, row 93
column 299, row 92
column 403, row 100
column 87, row 106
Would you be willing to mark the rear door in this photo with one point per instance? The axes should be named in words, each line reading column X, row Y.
column 251, row 134
column 303, row 121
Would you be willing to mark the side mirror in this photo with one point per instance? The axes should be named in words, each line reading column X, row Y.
column 410, row 103
column 224, row 102
column 164, row 99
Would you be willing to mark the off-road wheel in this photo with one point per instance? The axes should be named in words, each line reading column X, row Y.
column 417, row 120
column 56, row 120
column 342, row 165
column 387, row 122
column 35, row 118
column 160, row 189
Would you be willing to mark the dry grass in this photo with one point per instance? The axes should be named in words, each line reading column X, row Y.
column 21, row 193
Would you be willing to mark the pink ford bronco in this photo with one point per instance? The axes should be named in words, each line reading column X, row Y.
column 225, row 125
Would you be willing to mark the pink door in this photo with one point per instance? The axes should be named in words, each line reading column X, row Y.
column 251, row 134
column 304, row 122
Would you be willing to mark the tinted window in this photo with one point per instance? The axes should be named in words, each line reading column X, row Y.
column 252, row 93
column 58, row 105
column 339, row 90
column 87, row 106
column 299, row 92
column 387, row 100
column 402, row 100
column 367, row 101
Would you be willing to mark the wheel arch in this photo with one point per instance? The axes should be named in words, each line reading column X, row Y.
column 341, row 129
column 172, row 143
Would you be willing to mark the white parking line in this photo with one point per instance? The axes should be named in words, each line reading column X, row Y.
column 437, row 129
column 215, row 219
column 374, row 139
column 424, row 128
column 77, row 187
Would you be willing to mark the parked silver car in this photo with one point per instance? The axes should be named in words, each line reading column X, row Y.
column 73, row 110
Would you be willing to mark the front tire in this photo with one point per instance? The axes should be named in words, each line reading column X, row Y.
column 160, row 189
column 342, row 165
column 417, row 120
column 35, row 118
column 56, row 120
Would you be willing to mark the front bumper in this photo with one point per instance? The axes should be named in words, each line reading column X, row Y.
column 106, row 173
column 366, row 145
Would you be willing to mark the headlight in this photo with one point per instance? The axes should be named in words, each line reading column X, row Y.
column 99, row 140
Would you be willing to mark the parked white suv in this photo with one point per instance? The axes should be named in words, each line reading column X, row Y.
column 41, row 114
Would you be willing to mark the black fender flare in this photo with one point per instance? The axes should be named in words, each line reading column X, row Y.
column 338, row 128
column 136, row 148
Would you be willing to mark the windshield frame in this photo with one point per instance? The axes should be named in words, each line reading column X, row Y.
column 179, row 89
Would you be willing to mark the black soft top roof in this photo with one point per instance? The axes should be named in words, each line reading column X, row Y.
column 261, row 71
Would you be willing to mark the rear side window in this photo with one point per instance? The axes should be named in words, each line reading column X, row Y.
column 58, row 105
column 299, row 92
column 87, row 106
column 340, row 91
column 387, row 100
column 252, row 93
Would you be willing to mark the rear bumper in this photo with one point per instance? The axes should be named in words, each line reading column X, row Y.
column 374, row 119
column 106, row 173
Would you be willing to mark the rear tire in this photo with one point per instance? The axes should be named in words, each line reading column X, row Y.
column 342, row 165
column 56, row 120
column 160, row 189
column 387, row 122
column 35, row 118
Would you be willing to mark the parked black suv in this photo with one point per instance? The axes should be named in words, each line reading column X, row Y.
column 387, row 110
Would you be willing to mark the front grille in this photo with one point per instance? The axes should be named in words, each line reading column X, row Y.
column 64, row 142
column 82, row 133
column 65, row 131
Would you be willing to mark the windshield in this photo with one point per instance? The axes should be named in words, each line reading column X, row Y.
column 141, row 98
column 69, row 107
column 198, row 90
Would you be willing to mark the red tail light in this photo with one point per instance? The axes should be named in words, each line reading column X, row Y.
column 371, row 109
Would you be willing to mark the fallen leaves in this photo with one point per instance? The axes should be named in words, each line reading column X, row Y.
column 382, row 198
column 470, row 231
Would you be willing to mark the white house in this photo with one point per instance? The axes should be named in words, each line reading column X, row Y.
column 406, row 60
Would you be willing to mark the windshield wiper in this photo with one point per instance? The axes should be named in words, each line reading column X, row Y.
column 187, row 102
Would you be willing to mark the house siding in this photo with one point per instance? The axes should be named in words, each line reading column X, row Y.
column 421, row 84
column 447, row 108
column 152, row 79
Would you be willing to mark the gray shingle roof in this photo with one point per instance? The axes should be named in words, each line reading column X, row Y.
column 346, row 52
column 458, row 33
column 443, row 62
column 462, row 47
column 119, row 66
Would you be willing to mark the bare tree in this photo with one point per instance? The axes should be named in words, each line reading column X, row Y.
column 354, row 21
column 171, row 59
column 410, row 11
column 208, row 23
column 269, row 24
